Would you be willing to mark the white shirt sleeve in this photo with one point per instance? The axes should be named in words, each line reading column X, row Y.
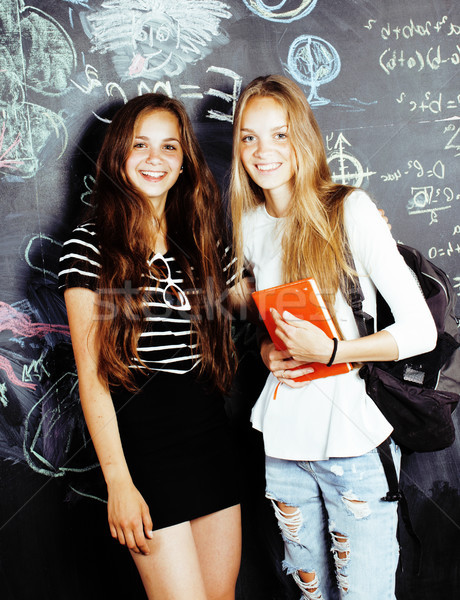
column 377, row 257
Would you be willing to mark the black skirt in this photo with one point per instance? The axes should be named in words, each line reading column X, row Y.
column 178, row 446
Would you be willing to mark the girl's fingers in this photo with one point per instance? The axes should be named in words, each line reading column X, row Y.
column 295, row 384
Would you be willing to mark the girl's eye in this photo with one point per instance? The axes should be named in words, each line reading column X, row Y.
column 169, row 147
column 139, row 145
column 248, row 138
column 281, row 136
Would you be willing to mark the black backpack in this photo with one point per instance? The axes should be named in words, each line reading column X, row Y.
column 417, row 395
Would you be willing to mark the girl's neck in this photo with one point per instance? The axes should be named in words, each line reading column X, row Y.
column 160, row 241
column 277, row 205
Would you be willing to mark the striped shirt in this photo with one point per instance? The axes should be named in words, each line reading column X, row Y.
column 169, row 341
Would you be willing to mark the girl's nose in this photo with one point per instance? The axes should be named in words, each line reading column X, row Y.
column 153, row 155
column 263, row 146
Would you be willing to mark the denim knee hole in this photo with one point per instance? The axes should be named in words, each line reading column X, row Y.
column 341, row 552
column 359, row 508
column 310, row 590
column 288, row 522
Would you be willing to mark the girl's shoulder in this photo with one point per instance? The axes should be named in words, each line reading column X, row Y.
column 80, row 258
column 359, row 209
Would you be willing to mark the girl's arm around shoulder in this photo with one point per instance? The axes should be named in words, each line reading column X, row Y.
column 129, row 517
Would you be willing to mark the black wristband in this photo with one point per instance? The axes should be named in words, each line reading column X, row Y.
column 334, row 352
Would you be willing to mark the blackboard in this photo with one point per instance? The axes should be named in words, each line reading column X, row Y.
column 382, row 78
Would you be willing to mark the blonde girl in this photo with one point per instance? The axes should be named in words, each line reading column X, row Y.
column 323, row 473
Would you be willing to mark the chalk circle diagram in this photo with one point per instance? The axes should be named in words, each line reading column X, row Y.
column 285, row 11
column 312, row 61
column 346, row 168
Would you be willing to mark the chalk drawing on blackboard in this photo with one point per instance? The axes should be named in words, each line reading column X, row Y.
column 313, row 62
column 45, row 424
column 155, row 38
column 454, row 141
column 49, row 420
column 51, row 56
column 5, row 162
column 22, row 326
column 88, row 182
column 346, row 168
column 40, row 56
column 284, row 11
column 422, row 201
column 3, row 396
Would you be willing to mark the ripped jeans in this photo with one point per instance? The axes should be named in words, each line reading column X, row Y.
column 339, row 536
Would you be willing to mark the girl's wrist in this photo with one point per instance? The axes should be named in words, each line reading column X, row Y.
column 333, row 355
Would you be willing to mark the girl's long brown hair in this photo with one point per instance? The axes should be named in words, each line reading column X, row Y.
column 126, row 227
column 315, row 217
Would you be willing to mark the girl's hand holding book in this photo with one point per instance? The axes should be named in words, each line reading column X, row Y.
column 279, row 362
column 304, row 341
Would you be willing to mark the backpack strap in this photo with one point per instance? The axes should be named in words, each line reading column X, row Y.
column 395, row 494
column 351, row 289
column 365, row 324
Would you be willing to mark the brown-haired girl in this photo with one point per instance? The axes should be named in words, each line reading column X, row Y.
column 291, row 221
column 144, row 279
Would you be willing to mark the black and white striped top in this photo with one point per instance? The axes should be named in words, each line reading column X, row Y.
column 169, row 342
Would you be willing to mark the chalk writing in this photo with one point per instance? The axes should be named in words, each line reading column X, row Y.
column 434, row 103
column 454, row 141
column 349, row 170
column 155, row 38
column 183, row 91
column 426, row 29
column 431, row 200
column 231, row 98
column 313, row 61
column 449, row 250
column 438, row 170
column 434, row 58
column 285, row 11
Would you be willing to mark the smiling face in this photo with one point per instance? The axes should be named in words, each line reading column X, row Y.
column 266, row 150
column 154, row 162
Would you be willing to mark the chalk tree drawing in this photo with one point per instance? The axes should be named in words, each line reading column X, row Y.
column 153, row 38
column 346, row 168
column 285, row 11
column 312, row 61
column 37, row 54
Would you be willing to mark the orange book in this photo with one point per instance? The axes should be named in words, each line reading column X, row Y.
column 302, row 299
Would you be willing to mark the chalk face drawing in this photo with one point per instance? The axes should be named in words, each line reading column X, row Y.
column 37, row 55
column 155, row 38
column 312, row 61
column 284, row 11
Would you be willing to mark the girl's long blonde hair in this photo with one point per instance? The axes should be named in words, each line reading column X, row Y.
column 315, row 216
